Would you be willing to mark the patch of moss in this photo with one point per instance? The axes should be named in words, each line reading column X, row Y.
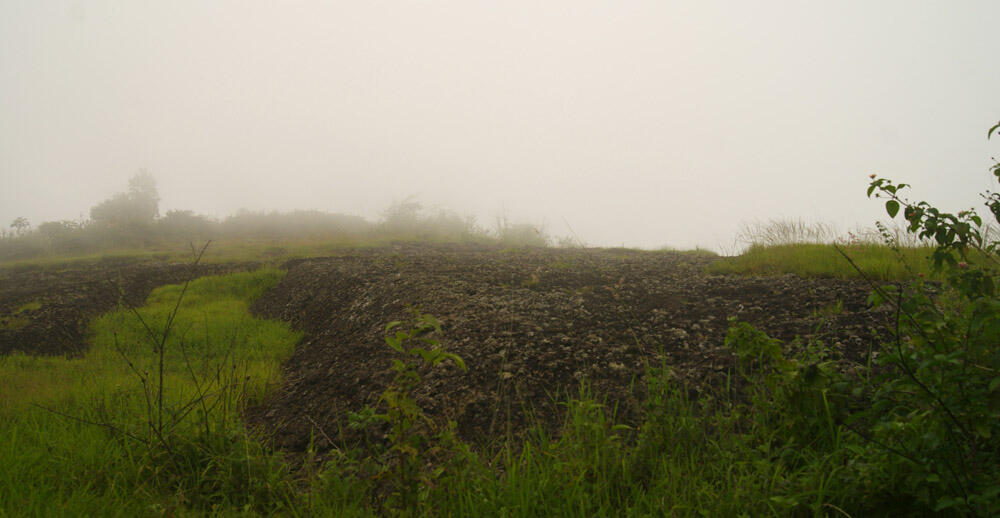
column 18, row 319
column 34, row 305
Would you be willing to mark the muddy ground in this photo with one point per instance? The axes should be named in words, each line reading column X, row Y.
column 45, row 309
column 530, row 325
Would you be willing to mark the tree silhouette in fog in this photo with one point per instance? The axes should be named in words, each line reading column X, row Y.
column 140, row 205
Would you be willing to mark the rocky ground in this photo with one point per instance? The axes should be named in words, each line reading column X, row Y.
column 530, row 325
column 45, row 309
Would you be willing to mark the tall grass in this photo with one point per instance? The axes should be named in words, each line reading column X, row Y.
column 824, row 260
column 776, row 232
column 68, row 426
column 817, row 250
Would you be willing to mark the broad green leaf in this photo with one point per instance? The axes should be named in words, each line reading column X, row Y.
column 394, row 343
column 892, row 207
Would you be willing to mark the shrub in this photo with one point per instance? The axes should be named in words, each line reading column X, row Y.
column 935, row 414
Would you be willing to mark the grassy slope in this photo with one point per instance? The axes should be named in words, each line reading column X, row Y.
column 52, row 465
column 823, row 260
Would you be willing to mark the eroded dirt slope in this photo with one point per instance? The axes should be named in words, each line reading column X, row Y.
column 530, row 325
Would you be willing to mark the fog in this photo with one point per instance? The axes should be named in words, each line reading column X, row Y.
column 632, row 123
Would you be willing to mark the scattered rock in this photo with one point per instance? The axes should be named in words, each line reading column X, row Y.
column 594, row 316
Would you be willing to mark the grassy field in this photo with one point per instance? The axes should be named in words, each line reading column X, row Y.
column 876, row 261
column 77, row 434
column 89, row 436
column 778, row 247
column 225, row 251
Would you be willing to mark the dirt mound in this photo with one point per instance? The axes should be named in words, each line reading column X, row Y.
column 44, row 310
column 531, row 325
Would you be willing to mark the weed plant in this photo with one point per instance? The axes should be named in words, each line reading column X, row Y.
column 85, row 436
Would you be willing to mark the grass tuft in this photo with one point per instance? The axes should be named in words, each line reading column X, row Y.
column 823, row 260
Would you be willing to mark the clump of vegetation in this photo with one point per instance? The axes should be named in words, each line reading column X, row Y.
column 914, row 433
column 777, row 232
column 414, row 437
column 874, row 260
column 149, row 420
column 816, row 250
column 19, row 318
column 130, row 222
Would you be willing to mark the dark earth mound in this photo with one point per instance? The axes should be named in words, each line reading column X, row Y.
column 45, row 309
column 530, row 325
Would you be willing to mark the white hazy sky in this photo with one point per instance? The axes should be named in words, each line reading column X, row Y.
column 638, row 123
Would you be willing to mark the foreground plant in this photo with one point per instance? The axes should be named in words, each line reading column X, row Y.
column 414, row 437
column 175, row 407
column 935, row 415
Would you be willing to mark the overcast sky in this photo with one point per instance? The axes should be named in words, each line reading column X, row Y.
column 638, row 123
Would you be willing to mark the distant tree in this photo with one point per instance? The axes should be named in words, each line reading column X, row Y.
column 403, row 214
column 55, row 229
column 186, row 224
column 63, row 236
column 403, row 217
column 140, row 205
column 20, row 225
column 142, row 189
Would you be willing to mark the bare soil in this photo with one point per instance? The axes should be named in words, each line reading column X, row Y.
column 530, row 325
column 67, row 296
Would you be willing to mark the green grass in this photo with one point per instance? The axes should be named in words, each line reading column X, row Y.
column 696, row 251
column 52, row 465
column 878, row 262
column 17, row 319
column 231, row 250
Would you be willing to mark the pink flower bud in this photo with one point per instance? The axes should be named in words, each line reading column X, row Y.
column 963, row 265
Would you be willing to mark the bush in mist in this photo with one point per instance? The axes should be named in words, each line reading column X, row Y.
column 185, row 224
column 409, row 218
column 520, row 234
column 131, row 220
column 20, row 226
column 299, row 224
column 137, row 207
